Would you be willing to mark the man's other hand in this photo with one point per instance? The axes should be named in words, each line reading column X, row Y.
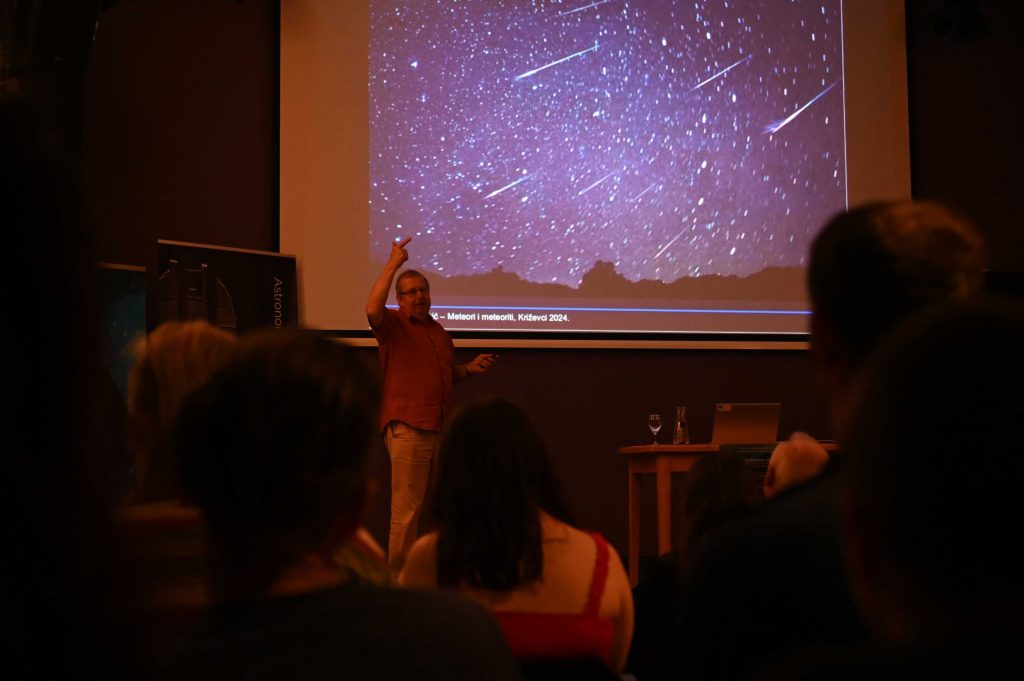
column 481, row 363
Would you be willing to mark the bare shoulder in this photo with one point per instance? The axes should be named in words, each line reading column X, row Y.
column 618, row 580
column 557, row 532
column 573, row 539
column 577, row 550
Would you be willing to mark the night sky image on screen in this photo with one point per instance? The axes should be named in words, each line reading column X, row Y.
column 673, row 140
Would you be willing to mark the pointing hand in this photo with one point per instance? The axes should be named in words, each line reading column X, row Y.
column 398, row 253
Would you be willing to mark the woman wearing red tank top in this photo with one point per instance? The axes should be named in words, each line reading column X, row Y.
column 502, row 536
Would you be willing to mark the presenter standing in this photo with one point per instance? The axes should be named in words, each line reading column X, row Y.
column 417, row 360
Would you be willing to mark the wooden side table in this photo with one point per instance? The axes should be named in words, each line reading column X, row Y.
column 663, row 461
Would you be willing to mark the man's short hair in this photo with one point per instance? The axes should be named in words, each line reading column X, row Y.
column 408, row 274
column 873, row 266
column 274, row 449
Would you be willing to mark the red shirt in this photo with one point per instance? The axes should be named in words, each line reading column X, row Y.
column 416, row 360
column 540, row 635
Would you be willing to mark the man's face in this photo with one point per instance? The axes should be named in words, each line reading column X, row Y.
column 414, row 297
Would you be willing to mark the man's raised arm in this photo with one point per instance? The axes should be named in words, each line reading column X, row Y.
column 379, row 292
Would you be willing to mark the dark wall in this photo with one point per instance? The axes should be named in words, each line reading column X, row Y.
column 180, row 143
column 964, row 62
column 180, row 125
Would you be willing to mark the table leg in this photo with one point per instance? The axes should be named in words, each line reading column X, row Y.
column 664, row 482
column 634, row 526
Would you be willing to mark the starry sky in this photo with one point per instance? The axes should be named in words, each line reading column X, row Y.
column 673, row 139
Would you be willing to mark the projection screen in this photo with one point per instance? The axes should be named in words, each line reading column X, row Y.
column 584, row 170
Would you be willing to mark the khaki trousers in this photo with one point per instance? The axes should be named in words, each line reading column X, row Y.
column 412, row 455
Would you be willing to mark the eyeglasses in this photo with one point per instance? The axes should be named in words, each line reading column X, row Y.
column 414, row 291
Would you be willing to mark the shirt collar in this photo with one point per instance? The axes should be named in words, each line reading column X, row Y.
column 414, row 320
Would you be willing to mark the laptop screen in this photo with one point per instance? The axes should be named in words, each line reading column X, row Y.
column 746, row 422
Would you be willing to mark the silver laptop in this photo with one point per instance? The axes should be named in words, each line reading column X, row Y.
column 739, row 423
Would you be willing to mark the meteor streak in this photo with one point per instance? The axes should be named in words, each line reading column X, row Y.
column 772, row 128
column 508, row 186
column 584, row 191
column 537, row 70
column 720, row 73
column 665, row 247
column 580, row 9
column 642, row 193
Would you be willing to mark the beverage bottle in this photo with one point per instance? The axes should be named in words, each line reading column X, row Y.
column 681, row 434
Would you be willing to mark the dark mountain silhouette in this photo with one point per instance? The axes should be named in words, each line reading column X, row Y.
column 604, row 282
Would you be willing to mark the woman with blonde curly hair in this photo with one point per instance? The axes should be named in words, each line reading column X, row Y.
column 175, row 359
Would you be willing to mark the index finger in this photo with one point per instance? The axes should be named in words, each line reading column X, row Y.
column 403, row 242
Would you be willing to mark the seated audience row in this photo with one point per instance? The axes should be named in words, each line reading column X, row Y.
column 547, row 605
column 163, row 534
column 502, row 534
column 774, row 586
column 274, row 450
column 251, row 472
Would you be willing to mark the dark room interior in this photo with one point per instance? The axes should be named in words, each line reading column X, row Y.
column 171, row 109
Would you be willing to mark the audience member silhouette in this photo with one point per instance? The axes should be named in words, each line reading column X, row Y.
column 62, row 591
column 173, row 360
column 503, row 537
column 774, row 586
column 872, row 268
column 718, row 489
column 162, row 536
column 274, row 449
column 933, row 513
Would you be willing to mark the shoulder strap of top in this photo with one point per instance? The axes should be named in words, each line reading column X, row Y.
column 600, row 576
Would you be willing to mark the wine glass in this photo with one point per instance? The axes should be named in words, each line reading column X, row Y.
column 654, row 423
